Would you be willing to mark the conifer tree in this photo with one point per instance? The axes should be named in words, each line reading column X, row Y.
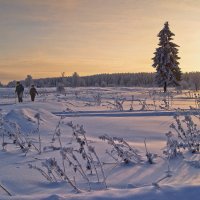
column 166, row 60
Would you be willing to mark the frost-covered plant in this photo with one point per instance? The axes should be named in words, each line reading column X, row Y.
column 150, row 156
column 152, row 93
column 77, row 159
column 37, row 116
column 172, row 147
column 2, row 131
column 54, row 172
column 68, row 154
column 87, row 152
column 167, row 101
column 69, row 106
column 118, row 103
column 92, row 150
column 187, row 136
column 15, row 136
column 154, row 103
column 57, row 136
column 131, row 105
column 45, row 174
column 145, row 105
column 14, row 133
column 98, row 99
column 188, row 94
column 188, row 132
column 197, row 100
column 57, row 132
column 20, row 139
column 121, row 151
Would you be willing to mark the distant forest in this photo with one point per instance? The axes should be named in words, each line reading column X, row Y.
column 190, row 80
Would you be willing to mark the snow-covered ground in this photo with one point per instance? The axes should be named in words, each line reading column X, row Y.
column 140, row 114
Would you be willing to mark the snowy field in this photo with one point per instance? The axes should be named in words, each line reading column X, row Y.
column 67, row 127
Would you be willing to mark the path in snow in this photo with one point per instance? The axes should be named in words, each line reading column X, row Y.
column 123, row 113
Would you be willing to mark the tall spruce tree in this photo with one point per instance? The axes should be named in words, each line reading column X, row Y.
column 166, row 60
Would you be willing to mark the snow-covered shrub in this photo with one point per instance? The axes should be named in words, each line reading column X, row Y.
column 11, row 132
column 121, row 151
column 152, row 93
column 87, row 152
column 37, row 116
column 77, row 159
column 172, row 147
column 145, row 105
column 97, row 99
column 167, row 101
column 53, row 172
column 2, row 130
column 131, row 105
column 150, row 156
column 57, row 132
column 191, row 94
column 117, row 104
column 197, row 100
column 12, row 135
column 186, row 136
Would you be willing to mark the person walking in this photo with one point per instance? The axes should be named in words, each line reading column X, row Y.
column 33, row 92
column 19, row 90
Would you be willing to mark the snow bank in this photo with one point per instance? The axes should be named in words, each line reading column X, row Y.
column 25, row 118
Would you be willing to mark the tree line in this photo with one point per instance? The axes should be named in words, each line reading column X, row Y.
column 190, row 80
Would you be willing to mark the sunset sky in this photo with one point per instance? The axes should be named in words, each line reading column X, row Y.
column 46, row 37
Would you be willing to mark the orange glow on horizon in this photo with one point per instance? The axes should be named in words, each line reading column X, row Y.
column 45, row 38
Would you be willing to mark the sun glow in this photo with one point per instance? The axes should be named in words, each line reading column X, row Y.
column 45, row 38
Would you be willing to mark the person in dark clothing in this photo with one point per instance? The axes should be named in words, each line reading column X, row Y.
column 33, row 92
column 19, row 90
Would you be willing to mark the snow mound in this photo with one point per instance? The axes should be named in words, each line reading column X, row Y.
column 26, row 118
